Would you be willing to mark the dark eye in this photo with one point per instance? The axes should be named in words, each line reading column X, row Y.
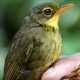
column 47, row 12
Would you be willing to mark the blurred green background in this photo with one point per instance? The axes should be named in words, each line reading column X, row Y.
column 12, row 13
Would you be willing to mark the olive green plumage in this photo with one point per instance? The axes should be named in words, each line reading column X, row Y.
column 35, row 47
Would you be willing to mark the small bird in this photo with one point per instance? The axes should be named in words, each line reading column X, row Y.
column 37, row 44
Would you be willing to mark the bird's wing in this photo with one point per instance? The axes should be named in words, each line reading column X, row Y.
column 17, row 58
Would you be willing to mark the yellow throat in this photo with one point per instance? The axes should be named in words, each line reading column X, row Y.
column 53, row 22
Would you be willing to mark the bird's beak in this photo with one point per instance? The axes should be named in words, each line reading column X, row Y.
column 64, row 8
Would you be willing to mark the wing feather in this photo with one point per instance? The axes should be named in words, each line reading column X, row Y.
column 16, row 59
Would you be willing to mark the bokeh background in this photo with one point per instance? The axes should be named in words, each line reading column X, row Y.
column 12, row 13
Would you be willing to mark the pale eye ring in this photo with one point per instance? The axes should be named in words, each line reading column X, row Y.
column 47, row 12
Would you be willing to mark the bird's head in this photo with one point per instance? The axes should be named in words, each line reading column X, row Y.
column 48, row 14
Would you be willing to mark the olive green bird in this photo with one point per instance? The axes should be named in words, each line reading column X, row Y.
column 37, row 44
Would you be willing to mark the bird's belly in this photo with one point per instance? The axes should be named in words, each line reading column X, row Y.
column 42, row 54
column 45, row 50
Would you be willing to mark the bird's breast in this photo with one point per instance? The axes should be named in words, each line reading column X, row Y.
column 44, row 48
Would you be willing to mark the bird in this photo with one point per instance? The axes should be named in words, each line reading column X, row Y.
column 37, row 44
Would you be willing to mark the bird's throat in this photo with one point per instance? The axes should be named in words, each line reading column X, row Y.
column 53, row 22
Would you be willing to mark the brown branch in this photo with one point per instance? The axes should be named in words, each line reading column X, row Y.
column 75, row 75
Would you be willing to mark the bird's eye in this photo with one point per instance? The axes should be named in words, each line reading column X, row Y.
column 47, row 12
